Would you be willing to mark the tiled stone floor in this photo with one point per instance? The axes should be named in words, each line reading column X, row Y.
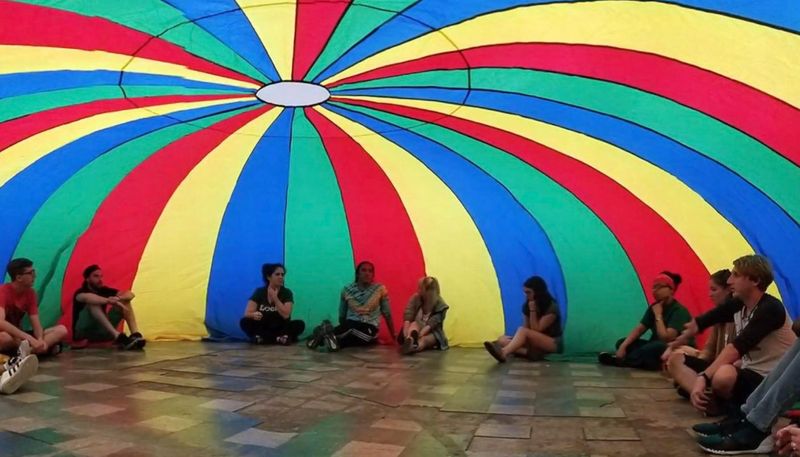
column 205, row 399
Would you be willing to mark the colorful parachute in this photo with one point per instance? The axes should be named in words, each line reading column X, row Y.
column 594, row 143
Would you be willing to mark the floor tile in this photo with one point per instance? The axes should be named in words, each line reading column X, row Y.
column 363, row 448
column 398, row 424
column 91, row 387
column 168, row 423
column 44, row 378
column 610, row 434
column 31, row 397
column 262, row 438
column 225, row 405
column 504, row 431
column 515, row 410
column 22, row 424
column 152, row 395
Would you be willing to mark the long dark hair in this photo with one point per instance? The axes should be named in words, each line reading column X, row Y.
column 362, row 264
column 540, row 293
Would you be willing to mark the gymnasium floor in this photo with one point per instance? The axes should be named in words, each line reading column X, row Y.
column 204, row 399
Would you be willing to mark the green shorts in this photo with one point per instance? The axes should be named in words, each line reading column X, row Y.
column 87, row 327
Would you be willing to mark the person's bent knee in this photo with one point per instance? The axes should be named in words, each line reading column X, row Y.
column 6, row 340
column 675, row 361
column 724, row 379
column 59, row 330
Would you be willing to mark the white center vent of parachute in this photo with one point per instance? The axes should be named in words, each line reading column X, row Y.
column 293, row 93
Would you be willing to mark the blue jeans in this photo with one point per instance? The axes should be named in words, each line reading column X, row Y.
column 777, row 393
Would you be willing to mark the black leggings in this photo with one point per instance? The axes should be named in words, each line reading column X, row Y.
column 644, row 354
column 355, row 333
column 270, row 331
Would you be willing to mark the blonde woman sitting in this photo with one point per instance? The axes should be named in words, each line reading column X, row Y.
column 423, row 320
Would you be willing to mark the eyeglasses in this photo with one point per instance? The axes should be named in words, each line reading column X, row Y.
column 32, row 272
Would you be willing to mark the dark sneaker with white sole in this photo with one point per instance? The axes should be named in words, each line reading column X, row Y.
column 722, row 427
column 125, row 342
column 316, row 337
column 746, row 439
column 138, row 340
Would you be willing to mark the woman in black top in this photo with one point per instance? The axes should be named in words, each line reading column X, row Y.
column 541, row 331
column 267, row 319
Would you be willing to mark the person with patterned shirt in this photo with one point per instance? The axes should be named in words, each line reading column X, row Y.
column 360, row 308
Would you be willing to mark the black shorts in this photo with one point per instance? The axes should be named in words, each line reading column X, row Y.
column 746, row 382
column 695, row 363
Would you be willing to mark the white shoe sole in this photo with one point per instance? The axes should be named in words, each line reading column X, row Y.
column 26, row 369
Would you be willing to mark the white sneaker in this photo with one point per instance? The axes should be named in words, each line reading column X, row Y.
column 18, row 373
column 24, row 350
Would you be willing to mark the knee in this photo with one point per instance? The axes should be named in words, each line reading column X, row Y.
column 724, row 379
column 59, row 331
column 6, row 340
column 675, row 361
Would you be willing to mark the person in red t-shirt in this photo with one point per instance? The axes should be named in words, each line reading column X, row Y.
column 17, row 298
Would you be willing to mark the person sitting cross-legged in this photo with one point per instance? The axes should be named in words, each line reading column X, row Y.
column 684, row 363
column 98, row 310
column 768, row 380
column 268, row 316
column 361, row 306
column 665, row 318
column 18, row 299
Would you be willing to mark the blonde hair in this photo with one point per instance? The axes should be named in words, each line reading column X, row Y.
column 428, row 290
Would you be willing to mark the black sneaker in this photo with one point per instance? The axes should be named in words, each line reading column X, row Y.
column 125, row 342
column 415, row 339
column 494, row 350
column 331, row 342
column 140, row 341
column 746, row 439
column 607, row 358
column 55, row 349
column 723, row 427
column 408, row 347
column 316, row 338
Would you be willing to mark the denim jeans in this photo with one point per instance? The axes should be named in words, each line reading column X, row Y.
column 777, row 393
